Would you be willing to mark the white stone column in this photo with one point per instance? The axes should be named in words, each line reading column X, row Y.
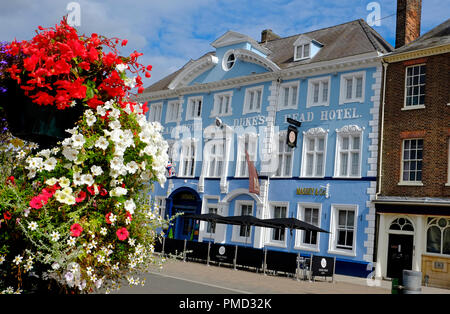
column 419, row 242
column 381, row 264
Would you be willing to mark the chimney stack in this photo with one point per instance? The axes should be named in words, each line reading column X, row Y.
column 408, row 21
column 267, row 35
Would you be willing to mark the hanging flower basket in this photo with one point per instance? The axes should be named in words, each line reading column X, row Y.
column 52, row 78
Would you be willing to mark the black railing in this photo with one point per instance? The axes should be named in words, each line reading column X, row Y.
column 237, row 256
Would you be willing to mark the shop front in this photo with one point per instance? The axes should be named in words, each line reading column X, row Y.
column 414, row 237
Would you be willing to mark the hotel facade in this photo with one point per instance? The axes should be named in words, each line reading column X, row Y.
column 237, row 99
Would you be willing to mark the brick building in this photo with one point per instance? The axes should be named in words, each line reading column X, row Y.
column 413, row 193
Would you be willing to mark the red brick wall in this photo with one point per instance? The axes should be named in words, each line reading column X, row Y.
column 431, row 123
column 408, row 21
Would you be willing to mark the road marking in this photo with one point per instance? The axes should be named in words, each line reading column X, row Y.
column 201, row 283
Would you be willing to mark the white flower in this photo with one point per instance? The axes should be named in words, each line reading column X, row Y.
column 103, row 231
column 55, row 266
column 96, row 170
column 35, row 163
column 70, row 153
column 90, row 120
column 115, row 124
column 132, row 167
column 64, row 182
column 77, row 178
column 87, row 179
column 18, row 259
column 100, row 258
column 131, row 241
column 71, row 241
column 78, row 140
column 89, row 270
column 50, row 164
column 102, row 143
column 117, row 163
column 32, row 226
column 121, row 67
column 130, row 206
column 2, row 259
column 68, row 276
column 51, row 181
column 118, row 191
column 55, row 236
column 72, row 131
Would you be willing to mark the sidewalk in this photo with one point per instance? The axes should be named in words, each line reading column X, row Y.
column 258, row 283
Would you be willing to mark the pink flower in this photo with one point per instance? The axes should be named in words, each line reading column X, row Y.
column 76, row 230
column 122, row 234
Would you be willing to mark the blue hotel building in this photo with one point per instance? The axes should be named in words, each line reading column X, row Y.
column 237, row 99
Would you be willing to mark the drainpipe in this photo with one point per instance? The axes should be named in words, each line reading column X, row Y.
column 380, row 150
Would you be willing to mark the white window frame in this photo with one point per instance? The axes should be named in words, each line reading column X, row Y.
column 155, row 112
column 343, row 87
column 316, row 134
column 332, row 245
column 351, row 132
column 193, row 102
column 418, row 106
column 282, row 137
column 302, row 48
column 269, row 235
column 169, row 114
column 409, row 182
column 160, row 202
column 235, row 235
column 299, row 234
column 225, row 61
column 310, row 99
column 186, row 155
column 249, row 98
column 429, row 225
column 282, row 96
column 217, row 105
column 252, row 140
column 217, row 157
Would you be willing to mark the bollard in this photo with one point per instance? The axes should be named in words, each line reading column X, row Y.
column 412, row 282
column 395, row 286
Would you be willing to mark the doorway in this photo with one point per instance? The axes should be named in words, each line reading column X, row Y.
column 400, row 254
column 184, row 201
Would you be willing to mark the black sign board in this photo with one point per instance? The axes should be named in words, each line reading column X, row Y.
column 222, row 253
column 291, row 139
column 322, row 266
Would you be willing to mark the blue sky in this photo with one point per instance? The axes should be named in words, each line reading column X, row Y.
column 171, row 32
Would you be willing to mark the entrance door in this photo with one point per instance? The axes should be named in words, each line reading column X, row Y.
column 186, row 228
column 400, row 254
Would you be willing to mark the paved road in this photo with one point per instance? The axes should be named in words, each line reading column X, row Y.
column 178, row 277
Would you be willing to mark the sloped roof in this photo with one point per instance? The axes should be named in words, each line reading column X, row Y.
column 438, row 36
column 344, row 40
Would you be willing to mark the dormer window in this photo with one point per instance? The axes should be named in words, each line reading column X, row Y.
column 228, row 60
column 302, row 51
column 305, row 48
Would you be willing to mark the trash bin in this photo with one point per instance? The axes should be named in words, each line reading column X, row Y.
column 395, row 284
column 412, row 282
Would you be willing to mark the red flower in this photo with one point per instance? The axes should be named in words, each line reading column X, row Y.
column 75, row 230
column 7, row 215
column 103, row 192
column 124, row 42
column 38, row 201
column 10, row 180
column 107, row 218
column 81, row 196
column 122, row 234
column 128, row 215
column 91, row 189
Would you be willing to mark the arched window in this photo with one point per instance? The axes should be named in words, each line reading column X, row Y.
column 438, row 235
column 401, row 224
